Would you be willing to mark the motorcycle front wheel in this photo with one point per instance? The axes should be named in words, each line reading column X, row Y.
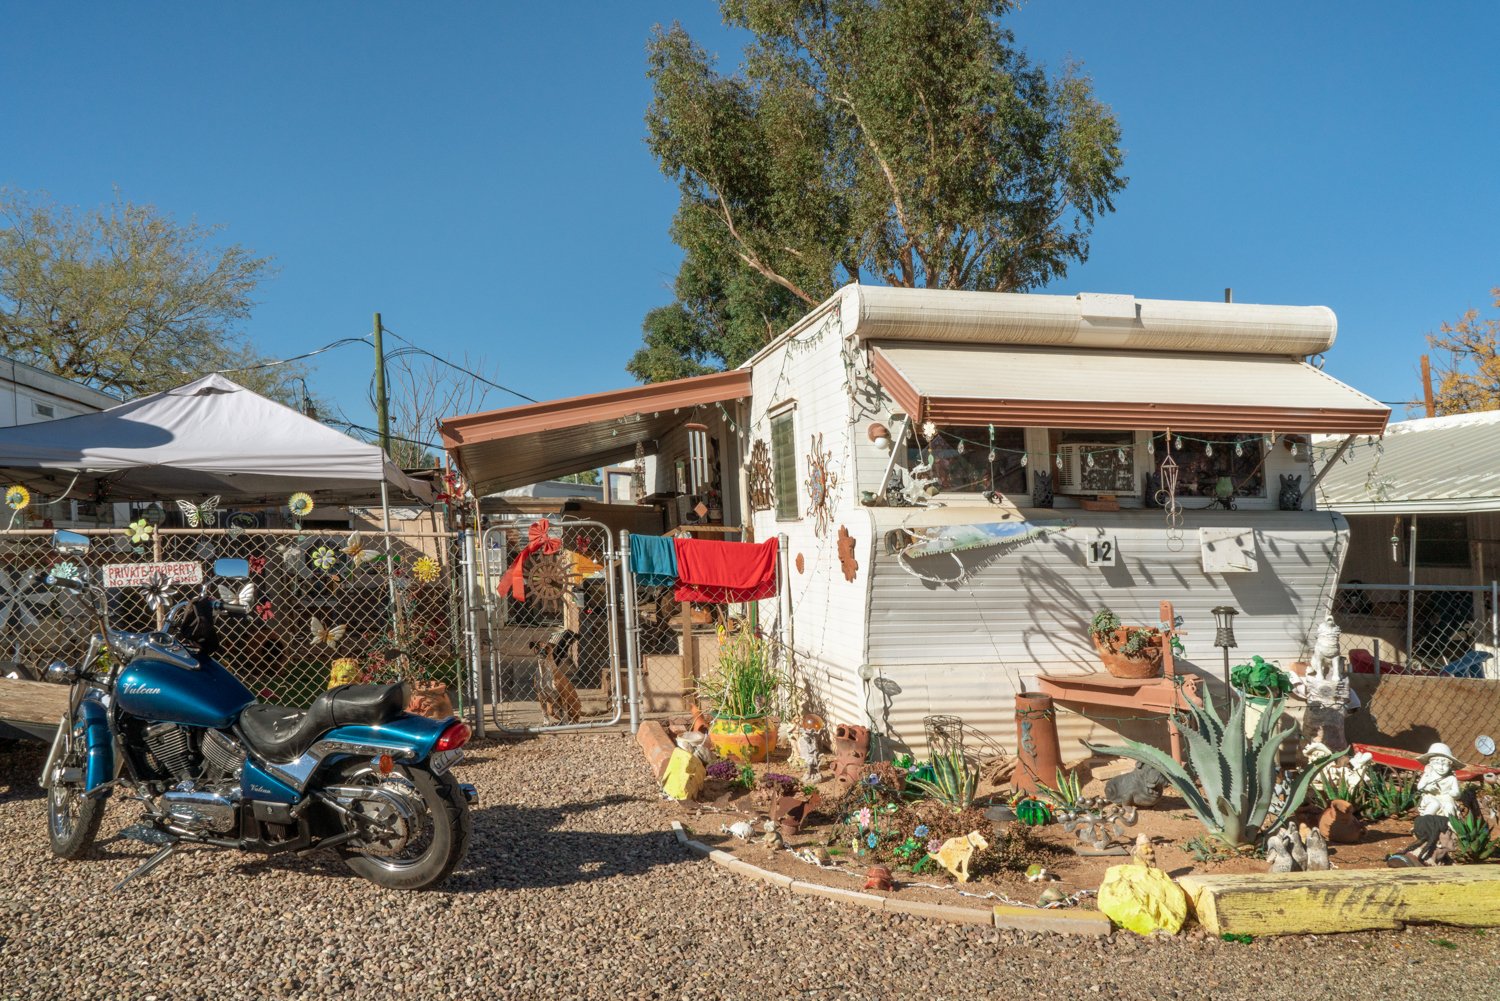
column 434, row 852
column 72, row 821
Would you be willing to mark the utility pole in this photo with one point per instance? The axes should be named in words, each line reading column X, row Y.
column 382, row 404
column 1427, row 387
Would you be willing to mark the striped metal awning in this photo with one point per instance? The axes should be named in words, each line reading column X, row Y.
column 1029, row 386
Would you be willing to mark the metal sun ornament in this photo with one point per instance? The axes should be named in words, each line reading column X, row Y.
column 762, row 485
column 821, row 483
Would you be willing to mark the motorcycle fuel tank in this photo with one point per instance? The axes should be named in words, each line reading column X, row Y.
column 158, row 691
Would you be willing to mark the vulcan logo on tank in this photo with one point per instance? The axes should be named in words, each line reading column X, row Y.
column 139, row 689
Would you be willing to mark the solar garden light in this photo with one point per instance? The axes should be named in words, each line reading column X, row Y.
column 1224, row 633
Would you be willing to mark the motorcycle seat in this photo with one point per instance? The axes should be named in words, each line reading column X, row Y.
column 281, row 733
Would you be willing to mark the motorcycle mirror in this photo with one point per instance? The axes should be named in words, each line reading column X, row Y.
column 69, row 542
column 232, row 569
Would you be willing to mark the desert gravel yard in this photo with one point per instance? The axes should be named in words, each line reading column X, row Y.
column 574, row 888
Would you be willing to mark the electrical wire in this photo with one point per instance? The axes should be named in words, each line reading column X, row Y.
column 413, row 348
column 341, row 342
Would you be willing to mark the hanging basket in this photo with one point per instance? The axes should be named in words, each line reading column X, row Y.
column 1145, row 664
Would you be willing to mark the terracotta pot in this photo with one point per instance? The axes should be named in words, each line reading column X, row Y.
column 790, row 812
column 1146, row 664
column 1340, row 824
column 1038, row 754
column 743, row 740
column 430, row 699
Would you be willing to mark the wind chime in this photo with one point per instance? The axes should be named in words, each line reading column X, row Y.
column 1167, row 496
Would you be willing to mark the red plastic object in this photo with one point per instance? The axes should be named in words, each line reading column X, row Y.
column 456, row 736
column 1393, row 757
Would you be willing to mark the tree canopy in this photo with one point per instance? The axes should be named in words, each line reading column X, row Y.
column 905, row 142
column 125, row 299
column 1468, row 369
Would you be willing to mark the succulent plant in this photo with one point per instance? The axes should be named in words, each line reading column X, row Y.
column 1229, row 776
column 953, row 782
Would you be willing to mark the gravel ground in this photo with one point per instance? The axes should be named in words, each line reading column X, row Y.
column 574, row 889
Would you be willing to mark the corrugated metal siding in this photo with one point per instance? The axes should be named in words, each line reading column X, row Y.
column 1435, row 464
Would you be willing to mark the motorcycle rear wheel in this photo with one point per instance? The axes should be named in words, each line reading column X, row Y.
column 72, row 821
column 440, row 849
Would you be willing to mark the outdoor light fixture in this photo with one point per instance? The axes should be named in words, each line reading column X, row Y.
column 1224, row 633
column 880, row 435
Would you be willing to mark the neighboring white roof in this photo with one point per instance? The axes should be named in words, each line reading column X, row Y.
column 212, row 436
column 557, row 488
column 22, row 374
column 1434, row 465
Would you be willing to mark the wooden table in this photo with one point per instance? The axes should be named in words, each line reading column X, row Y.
column 1156, row 696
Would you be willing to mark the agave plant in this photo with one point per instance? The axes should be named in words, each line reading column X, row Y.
column 1230, row 776
column 953, row 781
column 1474, row 841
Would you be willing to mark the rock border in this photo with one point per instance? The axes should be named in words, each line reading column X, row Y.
column 1055, row 921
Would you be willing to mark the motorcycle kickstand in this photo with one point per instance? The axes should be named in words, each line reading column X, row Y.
column 150, row 863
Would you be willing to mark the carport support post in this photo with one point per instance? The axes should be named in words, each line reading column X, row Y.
column 467, row 541
column 1411, row 589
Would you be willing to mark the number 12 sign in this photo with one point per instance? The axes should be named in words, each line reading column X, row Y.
column 1103, row 552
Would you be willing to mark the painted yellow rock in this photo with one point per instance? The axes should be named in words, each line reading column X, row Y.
column 1142, row 899
column 684, row 775
column 344, row 671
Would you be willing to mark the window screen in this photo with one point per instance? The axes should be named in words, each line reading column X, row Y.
column 784, row 465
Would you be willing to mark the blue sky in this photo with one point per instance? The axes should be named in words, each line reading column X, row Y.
column 477, row 173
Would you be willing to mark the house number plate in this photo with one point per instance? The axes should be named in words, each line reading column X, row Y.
column 1103, row 552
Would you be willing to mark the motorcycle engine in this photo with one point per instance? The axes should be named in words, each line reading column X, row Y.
column 204, row 766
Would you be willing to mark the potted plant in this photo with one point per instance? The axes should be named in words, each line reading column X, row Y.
column 1260, row 683
column 1126, row 651
column 741, row 692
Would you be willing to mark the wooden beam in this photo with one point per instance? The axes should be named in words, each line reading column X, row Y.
column 1302, row 903
column 32, row 701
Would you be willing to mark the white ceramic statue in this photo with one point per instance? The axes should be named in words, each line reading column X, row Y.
column 1438, row 785
column 807, row 750
column 1325, row 686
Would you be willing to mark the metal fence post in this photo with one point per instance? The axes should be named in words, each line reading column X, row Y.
column 632, row 634
column 471, row 630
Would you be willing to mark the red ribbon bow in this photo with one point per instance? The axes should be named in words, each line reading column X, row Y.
column 537, row 538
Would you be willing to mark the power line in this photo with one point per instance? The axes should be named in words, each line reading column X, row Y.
column 417, row 349
column 287, row 361
column 351, row 426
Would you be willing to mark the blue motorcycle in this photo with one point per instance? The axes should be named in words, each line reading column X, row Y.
column 152, row 716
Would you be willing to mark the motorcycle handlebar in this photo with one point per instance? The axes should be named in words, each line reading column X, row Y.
column 71, row 583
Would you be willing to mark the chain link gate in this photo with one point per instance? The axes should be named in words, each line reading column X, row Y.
column 327, row 605
column 554, row 632
column 1448, row 630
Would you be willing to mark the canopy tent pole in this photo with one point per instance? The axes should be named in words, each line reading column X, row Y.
column 390, row 572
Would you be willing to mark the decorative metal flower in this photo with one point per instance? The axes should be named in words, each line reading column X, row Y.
column 301, row 504
column 141, row 531
column 67, row 570
column 324, row 558
column 257, row 564
column 425, row 570
column 872, row 839
column 920, row 832
column 17, row 497
column 865, row 816
column 933, row 846
column 929, row 430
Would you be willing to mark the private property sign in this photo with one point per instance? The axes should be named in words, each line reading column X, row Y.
column 140, row 574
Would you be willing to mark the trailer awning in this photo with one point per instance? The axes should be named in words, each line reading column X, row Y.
column 1025, row 386
column 506, row 448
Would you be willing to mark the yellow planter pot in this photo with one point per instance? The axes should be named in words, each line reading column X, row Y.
column 743, row 739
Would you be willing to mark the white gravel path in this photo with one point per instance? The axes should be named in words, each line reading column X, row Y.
column 576, row 889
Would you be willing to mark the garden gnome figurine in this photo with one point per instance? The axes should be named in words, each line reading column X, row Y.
column 807, row 750
column 1325, row 685
column 1438, row 785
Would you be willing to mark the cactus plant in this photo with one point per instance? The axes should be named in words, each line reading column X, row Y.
column 1229, row 776
column 953, row 783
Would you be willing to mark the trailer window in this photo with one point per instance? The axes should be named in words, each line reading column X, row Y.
column 784, row 464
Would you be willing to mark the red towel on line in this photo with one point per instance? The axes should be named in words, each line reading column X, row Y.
column 725, row 571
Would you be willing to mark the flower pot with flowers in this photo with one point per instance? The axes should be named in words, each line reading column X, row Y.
column 742, row 694
column 1261, row 684
column 387, row 664
column 1126, row 651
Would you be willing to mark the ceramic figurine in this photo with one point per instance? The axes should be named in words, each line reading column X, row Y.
column 1278, row 854
column 1317, row 852
column 1143, row 853
column 740, row 829
column 1140, row 787
column 1434, row 842
column 878, row 877
column 1325, row 686
column 1297, row 848
column 807, row 750
column 1051, row 896
column 1438, row 785
column 1289, row 497
column 956, row 853
column 772, row 839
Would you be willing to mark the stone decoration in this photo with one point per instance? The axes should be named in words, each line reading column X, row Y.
column 1325, row 686
column 1140, row 787
column 851, row 749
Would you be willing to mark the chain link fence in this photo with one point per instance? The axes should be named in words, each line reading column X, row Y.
column 325, row 606
column 1430, row 629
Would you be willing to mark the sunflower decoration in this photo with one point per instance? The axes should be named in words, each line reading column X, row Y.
column 141, row 531
column 301, row 504
column 17, row 497
column 325, row 558
column 425, row 570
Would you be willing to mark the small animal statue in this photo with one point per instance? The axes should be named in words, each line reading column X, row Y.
column 1143, row 853
column 878, row 877
column 1317, row 852
column 554, row 692
column 740, row 829
column 1289, row 498
column 772, row 838
column 1297, row 846
column 1139, row 788
column 1278, row 853
column 956, row 853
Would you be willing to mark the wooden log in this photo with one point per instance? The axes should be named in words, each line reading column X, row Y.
column 1343, row 900
column 32, row 701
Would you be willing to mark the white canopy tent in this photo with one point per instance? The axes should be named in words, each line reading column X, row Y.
column 211, row 436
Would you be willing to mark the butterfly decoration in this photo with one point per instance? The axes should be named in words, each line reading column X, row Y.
column 291, row 554
column 325, row 635
column 205, row 515
column 357, row 553
column 141, row 531
column 265, row 611
column 244, row 597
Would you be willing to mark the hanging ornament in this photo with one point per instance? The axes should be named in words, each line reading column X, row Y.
column 1239, row 448
column 1208, row 448
column 1024, row 457
column 1120, row 454
column 1177, row 443
column 1294, row 450
column 17, row 497
column 929, row 430
column 1058, row 459
column 1089, row 459
column 1151, row 444
column 960, row 447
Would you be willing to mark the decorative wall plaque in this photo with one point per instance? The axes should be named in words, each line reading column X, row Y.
column 821, row 482
column 762, row 485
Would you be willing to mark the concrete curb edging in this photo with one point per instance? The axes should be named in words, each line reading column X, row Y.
column 1015, row 918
